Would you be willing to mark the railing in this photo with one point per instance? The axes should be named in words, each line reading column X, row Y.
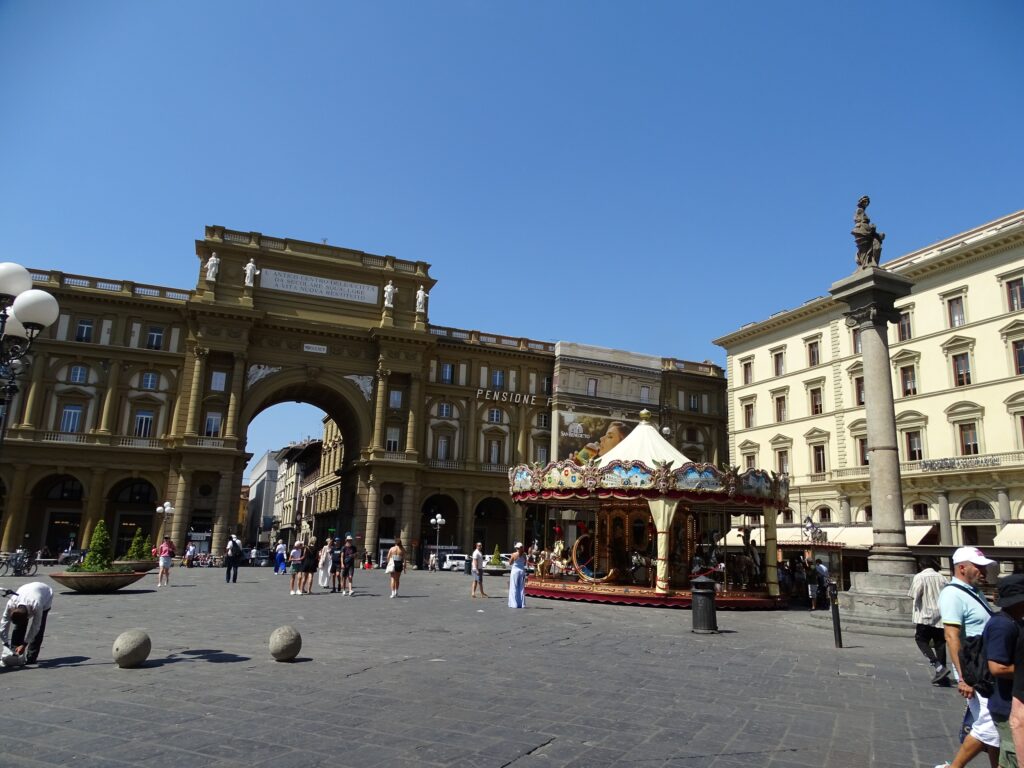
column 108, row 286
column 491, row 339
column 395, row 456
column 818, row 477
column 503, row 468
column 139, row 442
column 209, row 442
column 64, row 437
column 446, row 464
column 952, row 463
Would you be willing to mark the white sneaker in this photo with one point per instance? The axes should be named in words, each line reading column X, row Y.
column 943, row 765
column 293, row 592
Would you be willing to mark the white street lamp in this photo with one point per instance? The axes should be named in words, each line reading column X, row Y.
column 166, row 511
column 24, row 313
column 437, row 521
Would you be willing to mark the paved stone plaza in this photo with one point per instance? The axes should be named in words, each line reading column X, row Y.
column 434, row 678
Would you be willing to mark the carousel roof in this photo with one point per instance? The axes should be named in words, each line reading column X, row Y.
column 644, row 444
column 645, row 465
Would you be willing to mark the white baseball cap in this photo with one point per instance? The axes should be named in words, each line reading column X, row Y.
column 971, row 555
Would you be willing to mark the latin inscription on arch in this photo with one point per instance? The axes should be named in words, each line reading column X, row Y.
column 311, row 285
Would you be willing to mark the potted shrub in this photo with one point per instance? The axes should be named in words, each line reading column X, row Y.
column 97, row 573
column 139, row 556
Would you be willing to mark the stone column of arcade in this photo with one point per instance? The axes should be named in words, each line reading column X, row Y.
column 16, row 511
column 372, row 510
column 93, row 506
column 878, row 597
column 182, row 513
column 466, row 517
column 109, row 397
column 222, row 521
column 231, row 429
column 199, row 353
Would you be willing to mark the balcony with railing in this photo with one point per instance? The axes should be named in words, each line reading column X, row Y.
column 446, row 464
column 502, row 468
column 985, row 461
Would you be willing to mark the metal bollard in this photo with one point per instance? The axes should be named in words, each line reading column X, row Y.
column 468, row 567
column 833, row 597
column 703, row 606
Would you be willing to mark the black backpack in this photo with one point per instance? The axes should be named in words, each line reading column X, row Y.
column 974, row 659
column 236, row 548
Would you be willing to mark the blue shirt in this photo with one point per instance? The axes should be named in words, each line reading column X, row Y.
column 1000, row 637
column 960, row 609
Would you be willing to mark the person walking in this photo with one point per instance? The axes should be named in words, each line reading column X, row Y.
column 348, row 563
column 1001, row 637
column 965, row 612
column 820, row 600
column 280, row 557
column 310, row 562
column 166, row 554
column 252, row 557
column 395, row 566
column 323, row 571
column 295, row 560
column 929, row 634
column 336, row 566
column 517, row 579
column 190, row 554
column 233, row 554
column 26, row 612
column 477, row 571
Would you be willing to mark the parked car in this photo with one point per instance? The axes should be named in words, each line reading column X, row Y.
column 70, row 557
column 455, row 562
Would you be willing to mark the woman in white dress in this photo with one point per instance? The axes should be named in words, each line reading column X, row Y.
column 323, row 571
column 517, row 579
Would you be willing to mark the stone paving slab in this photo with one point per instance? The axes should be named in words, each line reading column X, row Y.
column 434, row 678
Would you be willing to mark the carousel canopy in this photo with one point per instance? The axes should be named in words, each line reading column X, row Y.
column 644, row 444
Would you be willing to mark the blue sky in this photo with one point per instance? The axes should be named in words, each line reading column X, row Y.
column 646, row 176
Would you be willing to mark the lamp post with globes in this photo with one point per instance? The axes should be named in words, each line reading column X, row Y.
column 165, row 510
column 437, row 521
column 24, row 313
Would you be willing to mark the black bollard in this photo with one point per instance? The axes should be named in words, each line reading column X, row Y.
column 833, row 596
column 703, row 606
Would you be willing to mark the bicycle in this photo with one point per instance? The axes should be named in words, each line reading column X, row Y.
column 19, row 564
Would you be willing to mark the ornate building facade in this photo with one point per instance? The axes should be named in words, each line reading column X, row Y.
column 796, row 399
column 143, row 393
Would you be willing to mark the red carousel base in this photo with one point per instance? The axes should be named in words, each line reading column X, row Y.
column 555, row 589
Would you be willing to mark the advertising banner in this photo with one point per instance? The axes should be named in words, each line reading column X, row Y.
column 586, row 436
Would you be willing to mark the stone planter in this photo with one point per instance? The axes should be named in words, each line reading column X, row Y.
column 96, row 582
column 138, row 565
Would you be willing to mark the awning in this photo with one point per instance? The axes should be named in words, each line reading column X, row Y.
column 861, row 536
column 915, row 533
column 1012, row 535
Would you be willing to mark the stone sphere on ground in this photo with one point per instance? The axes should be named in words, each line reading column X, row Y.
column 131, row 648
column 285, row 643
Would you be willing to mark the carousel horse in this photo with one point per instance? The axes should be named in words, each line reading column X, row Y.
column 543, row 568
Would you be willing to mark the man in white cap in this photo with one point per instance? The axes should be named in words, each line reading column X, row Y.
column 965, row 612
column 26, row 612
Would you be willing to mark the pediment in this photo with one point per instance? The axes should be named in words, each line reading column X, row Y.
column 780, row 440
column 857, row 426
column 911, row 417
column 905, row 357
column 748, row 445
column 855, row 369
column 957, row 342
column 1014, row 401
column 964, row 408
column 1016, row 328
column 816, row 434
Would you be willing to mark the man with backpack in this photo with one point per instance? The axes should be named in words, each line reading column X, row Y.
column 965, row 612
column 232, row 558
column 1001, row 636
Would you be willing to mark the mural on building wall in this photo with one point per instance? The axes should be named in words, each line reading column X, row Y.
column 586, row 436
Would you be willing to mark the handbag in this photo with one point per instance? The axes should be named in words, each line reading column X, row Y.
column 391, row 566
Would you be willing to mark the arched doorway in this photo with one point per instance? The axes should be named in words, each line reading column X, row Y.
column 57, row 507
column 490, row 525
column 445, row 540
column 977, row 524
column 131, row 507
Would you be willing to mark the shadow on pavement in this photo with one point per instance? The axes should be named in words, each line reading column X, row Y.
column 209, row 655
column 63, row 661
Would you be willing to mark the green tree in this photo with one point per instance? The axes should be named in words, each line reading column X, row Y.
column 496, row 557
column 141, row 547
column 100, row 554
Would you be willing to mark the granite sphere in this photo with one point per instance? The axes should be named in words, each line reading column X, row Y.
column 131, row 648
column 285, row 643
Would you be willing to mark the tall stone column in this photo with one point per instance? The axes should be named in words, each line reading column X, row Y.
column 844, row 510
column 223, row 520
column 372, row 512
column 93, row 505
column 411, row 437
column 378, row 411
column 1004, row 506
column 180, row 519
column 945, row 524
column 467, row 517
column 880, row 595
column 198, row 367
column 16, row 511
column 231, row 431
column 110, row 397
column 471, row 436
column 523, row 442
column 30, row 417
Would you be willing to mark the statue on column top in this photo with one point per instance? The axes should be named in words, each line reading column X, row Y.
column 212, row 265
column 389, row 295
column 250, row 273
column 868, row 238
column 421, row 300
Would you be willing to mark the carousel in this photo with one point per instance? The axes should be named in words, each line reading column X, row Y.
column 637, row 524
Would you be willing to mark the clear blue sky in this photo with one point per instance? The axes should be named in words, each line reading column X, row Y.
column 646, row 176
